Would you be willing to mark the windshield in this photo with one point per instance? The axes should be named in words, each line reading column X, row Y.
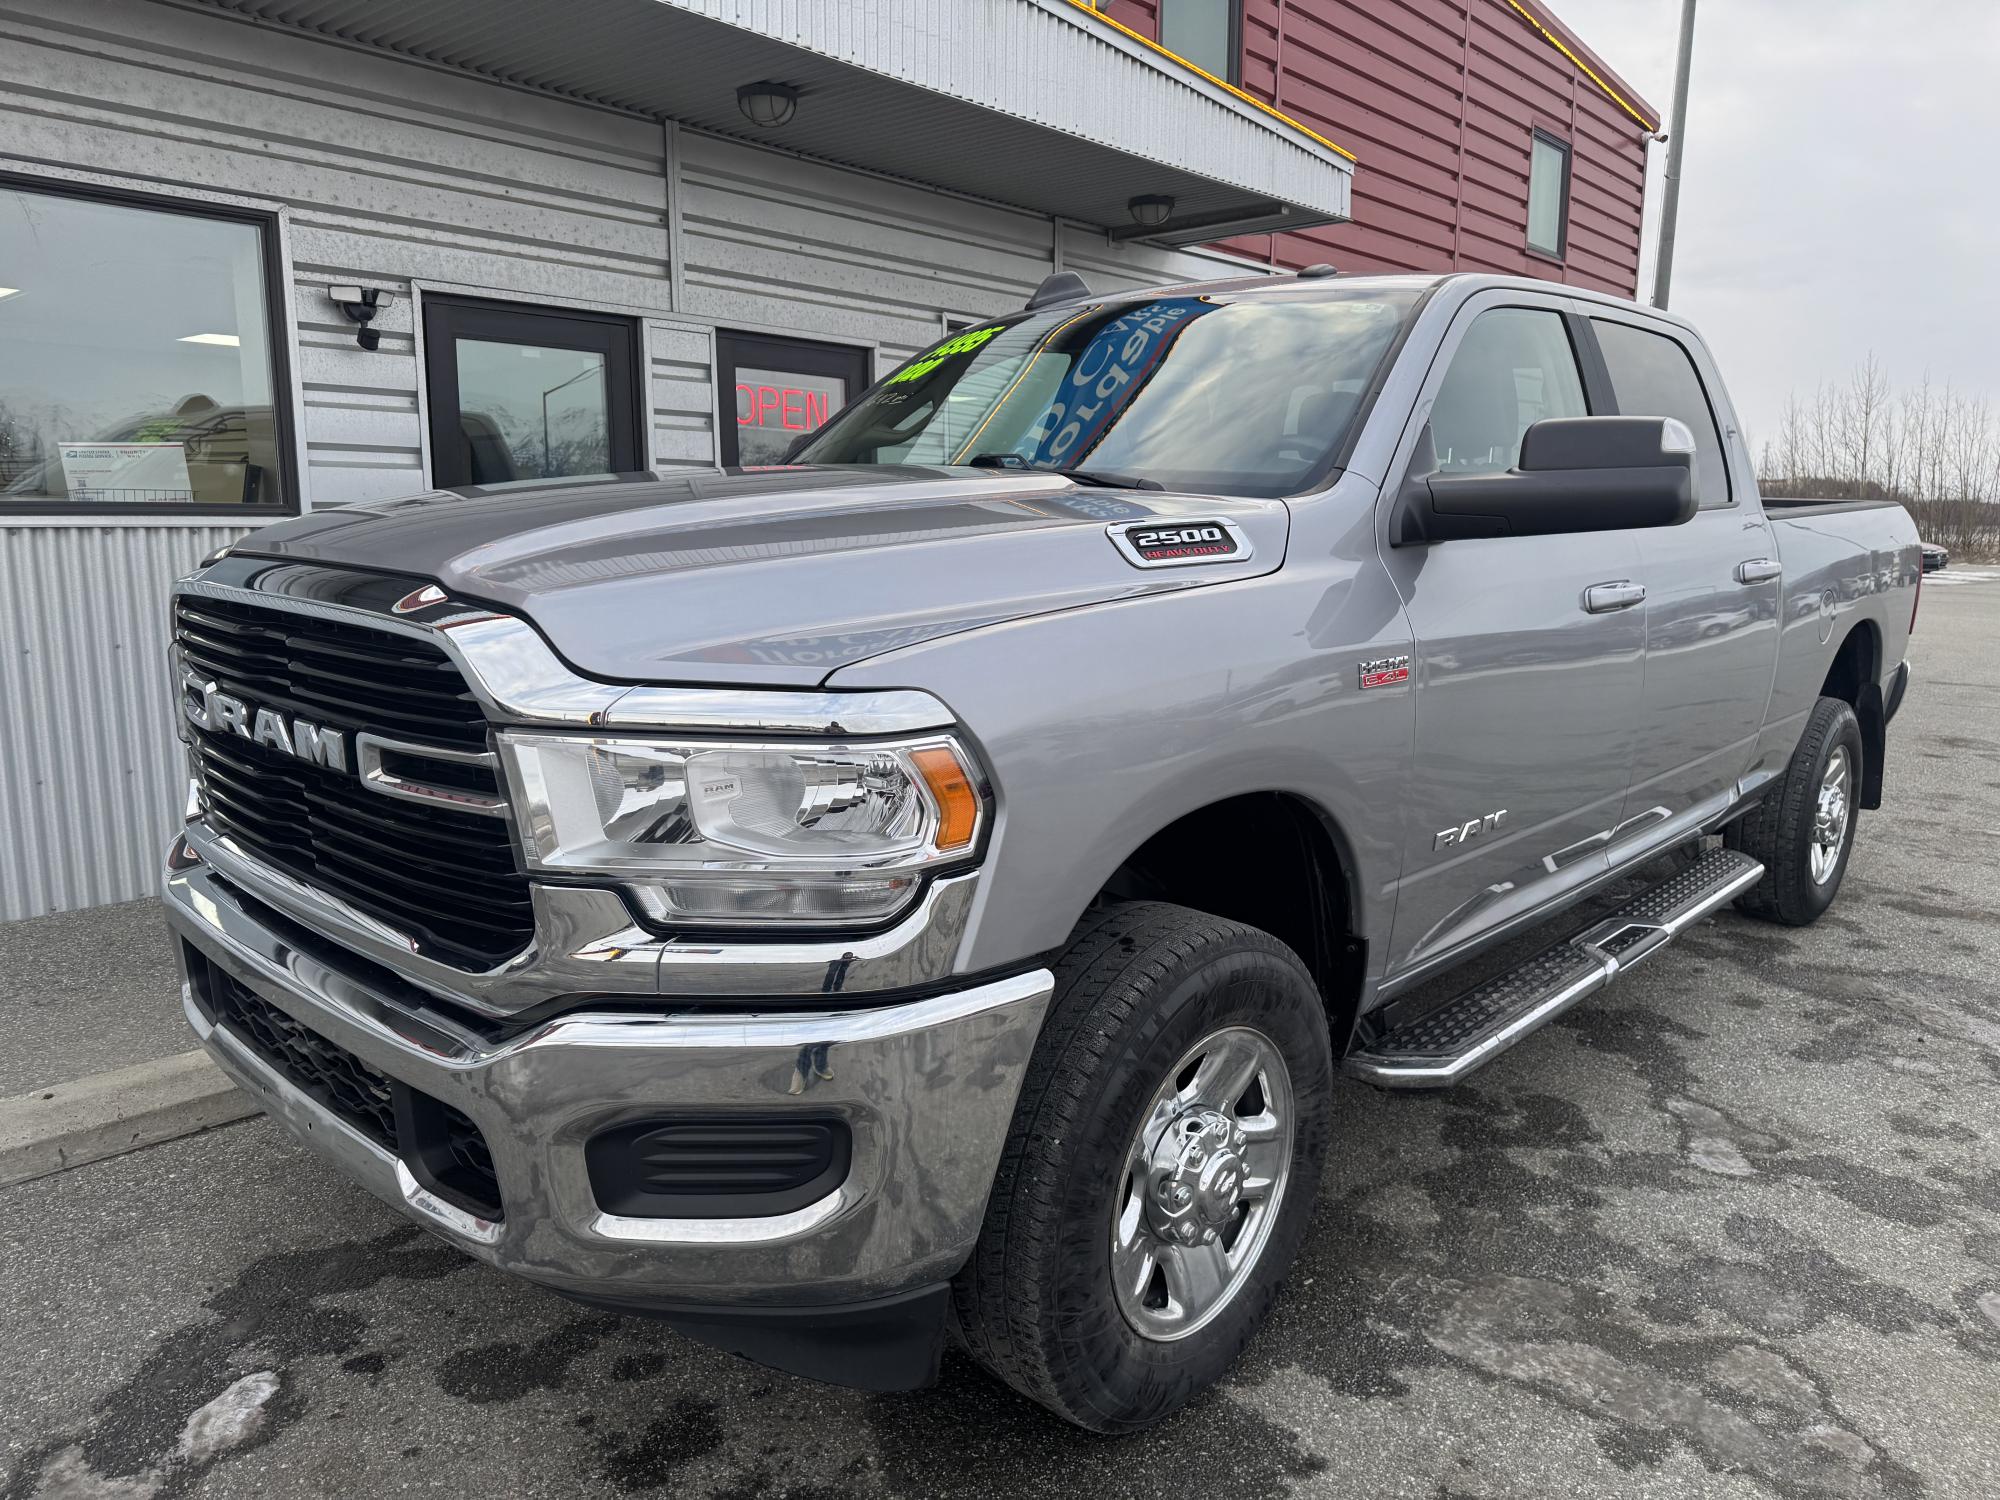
column 1191, row 393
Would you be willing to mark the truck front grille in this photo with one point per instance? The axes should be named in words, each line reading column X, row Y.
column 447, row 879
column 440, row 1144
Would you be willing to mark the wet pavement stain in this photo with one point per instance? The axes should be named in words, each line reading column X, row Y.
column 652, row 1456
column 274, row 1313
column 507, row 1371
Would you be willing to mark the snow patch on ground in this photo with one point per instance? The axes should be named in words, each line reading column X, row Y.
column 229, row 1421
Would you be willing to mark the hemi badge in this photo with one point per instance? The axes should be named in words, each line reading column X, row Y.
column 1386, row 671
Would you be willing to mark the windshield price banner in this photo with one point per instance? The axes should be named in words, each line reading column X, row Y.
column 1107, row 373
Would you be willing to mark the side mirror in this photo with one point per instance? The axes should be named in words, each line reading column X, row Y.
column 1575, row 474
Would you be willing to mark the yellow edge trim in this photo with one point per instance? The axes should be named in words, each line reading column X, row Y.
column 1251, row 99
column 1583, row 67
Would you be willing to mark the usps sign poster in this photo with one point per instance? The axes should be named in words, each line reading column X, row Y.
column 127, row 471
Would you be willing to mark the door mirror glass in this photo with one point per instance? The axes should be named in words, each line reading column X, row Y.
column 1575, row 474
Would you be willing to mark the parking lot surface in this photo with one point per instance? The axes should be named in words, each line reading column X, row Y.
column 1731, row 1228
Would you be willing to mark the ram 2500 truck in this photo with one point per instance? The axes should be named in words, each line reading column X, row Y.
column 931, row 887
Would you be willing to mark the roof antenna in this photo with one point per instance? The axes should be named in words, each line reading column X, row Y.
column 1062, row 286
column 1315, row 272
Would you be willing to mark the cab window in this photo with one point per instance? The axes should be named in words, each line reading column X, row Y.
column 1514, row 368
column 1654, row 377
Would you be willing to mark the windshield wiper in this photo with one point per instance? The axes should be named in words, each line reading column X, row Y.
column 1098, row 478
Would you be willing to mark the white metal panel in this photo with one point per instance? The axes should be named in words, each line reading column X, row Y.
column 91, row 780
column 389, row 172
column 773, row 242
column 1034, row 103
column 681, row 411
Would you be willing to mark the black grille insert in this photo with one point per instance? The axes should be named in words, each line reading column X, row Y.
column 716, row 1168
column 442, row 1147
column 446, row 878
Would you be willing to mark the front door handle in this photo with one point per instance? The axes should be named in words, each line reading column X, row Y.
column 1759, row 570
column 1606, row 598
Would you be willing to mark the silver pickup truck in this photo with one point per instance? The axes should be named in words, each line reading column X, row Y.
column 930, row 888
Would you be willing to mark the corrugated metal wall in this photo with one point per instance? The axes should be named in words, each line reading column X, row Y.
column 90, row 775
column 1439, row 98
column 405, row 177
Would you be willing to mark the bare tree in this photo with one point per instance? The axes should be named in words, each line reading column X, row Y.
column 1936, row 449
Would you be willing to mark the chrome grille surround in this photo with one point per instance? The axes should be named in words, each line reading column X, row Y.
column 583, row 939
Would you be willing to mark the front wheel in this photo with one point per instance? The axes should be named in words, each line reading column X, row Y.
column 1803, row 830
column 1160, row 1169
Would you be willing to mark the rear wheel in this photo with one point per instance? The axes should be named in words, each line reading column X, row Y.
column 1803, row 830
column 1160, row 1169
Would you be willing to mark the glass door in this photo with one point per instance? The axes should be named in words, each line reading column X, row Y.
column 780, row 390
column 529, row 393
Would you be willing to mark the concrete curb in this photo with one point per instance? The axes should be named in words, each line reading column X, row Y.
column 107, row 1114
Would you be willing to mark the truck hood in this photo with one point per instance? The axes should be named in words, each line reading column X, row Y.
column 778, row 576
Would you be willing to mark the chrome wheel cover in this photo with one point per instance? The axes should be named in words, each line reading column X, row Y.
column 1202, row 1182
column 1831, row 815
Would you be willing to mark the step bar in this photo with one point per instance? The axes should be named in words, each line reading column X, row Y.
column 1438, row 1049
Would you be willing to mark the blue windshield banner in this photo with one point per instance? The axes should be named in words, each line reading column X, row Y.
column 1106, row 373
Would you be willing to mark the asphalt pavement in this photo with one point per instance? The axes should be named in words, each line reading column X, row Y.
column 1729, row 1229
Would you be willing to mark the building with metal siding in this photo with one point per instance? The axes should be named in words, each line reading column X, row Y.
column 540, row 161
column 1442, row 100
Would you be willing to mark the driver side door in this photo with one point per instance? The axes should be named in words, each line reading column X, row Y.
column 1528, row 654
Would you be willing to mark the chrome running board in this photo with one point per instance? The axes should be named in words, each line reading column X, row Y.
column 1438, row 1049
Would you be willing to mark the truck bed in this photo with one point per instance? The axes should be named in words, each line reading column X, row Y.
column 1791, row 508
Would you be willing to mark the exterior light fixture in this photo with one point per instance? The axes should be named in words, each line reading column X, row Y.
column 768, row 105
column 1151, row 209
column 359, row 304
column 220, row 340
column 10, row 291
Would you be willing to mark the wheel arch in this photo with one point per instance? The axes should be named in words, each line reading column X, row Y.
column 1855, row 678
column 1275, row 860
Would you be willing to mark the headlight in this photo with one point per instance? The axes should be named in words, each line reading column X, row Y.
column 747, row 834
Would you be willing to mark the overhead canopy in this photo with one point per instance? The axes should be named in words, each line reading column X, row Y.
column 1034, row 103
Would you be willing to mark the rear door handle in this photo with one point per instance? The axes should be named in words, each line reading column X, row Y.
column 1606, row 598
column 1759, row 570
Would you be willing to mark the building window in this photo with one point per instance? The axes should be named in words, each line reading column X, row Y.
column 137, row 357
column 1207, row 33
column 521, row 392
column 1548, row 196
column 780, row 390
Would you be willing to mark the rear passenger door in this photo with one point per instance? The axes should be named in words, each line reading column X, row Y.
column 1712, row 593
column 1527, row 686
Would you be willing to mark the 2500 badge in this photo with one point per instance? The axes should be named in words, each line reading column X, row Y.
column 1153, row 544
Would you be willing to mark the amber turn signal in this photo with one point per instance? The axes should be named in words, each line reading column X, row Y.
column 951, row 789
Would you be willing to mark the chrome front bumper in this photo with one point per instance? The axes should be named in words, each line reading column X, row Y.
column 927, row 1089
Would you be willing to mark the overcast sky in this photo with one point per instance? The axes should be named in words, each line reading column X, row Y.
column 1840, row 191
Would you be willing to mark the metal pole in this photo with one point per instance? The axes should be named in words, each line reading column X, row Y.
column 1670, row 198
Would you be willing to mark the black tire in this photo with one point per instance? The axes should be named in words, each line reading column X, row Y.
column 1139, row 985
column 1779, row 830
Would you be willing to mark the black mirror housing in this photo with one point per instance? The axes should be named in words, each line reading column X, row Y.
column 1575, row 474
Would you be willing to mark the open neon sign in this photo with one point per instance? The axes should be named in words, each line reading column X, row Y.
column 789, row 407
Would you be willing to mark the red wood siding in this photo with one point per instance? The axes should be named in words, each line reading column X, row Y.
column 1439, row 99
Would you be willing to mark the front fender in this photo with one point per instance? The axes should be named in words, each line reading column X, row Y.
column 1102, row 726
